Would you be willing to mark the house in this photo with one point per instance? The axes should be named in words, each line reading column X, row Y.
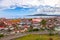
column 2, row 27
column 36, row 20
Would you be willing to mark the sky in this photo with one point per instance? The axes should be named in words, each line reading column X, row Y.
column 21, row 8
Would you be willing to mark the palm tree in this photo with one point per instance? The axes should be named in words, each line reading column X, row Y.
column 43, row 23
column 15, row 26
column 31, row 27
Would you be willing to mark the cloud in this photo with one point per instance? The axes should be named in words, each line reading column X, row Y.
column 48, row 10
column 21, row 3
column 12, row 4
column 7, row 4
column 52, row 2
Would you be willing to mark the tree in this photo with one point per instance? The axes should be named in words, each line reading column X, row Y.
column 43, row 23
column 15, row 26
column 1, row 35
column 2, row 24
column 31, row 26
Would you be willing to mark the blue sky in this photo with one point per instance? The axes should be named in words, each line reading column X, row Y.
column 21, row 8
column 17, row 12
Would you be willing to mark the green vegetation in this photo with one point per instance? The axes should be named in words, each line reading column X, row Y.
column 1, row 35
column 43, row 22
column 33, row 30
column 36, row 29
column 38, row 37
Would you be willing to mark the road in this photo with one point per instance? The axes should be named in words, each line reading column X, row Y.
column 21, row 34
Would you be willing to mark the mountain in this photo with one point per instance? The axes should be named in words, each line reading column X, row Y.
column 47, row 11
column 42, row 15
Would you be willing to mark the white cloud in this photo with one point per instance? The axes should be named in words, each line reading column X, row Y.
column 52, row 2
column 48, row 10
column 30, row 3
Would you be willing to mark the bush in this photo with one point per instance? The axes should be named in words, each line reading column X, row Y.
column 51, row 34
column 1, row 35
column 50, row 38
column 42, row 29
column 30, row 31
column 35, row 29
